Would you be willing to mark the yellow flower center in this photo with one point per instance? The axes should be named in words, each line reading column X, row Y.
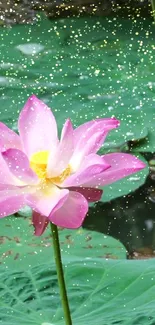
column 38, row 163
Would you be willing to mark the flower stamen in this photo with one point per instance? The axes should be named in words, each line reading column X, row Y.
column 38, row 163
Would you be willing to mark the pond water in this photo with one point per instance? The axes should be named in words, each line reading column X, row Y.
column 86, row 68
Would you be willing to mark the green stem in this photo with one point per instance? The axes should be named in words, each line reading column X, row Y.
column 153, row 8
column 60, row 274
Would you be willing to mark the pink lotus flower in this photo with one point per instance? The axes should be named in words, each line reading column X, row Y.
column 56, row 178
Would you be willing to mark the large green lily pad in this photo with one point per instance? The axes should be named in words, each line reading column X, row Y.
column 20, row 249
column 100, row 292
column 101, row 288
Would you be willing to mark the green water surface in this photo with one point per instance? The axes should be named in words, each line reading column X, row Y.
column 82, row 68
